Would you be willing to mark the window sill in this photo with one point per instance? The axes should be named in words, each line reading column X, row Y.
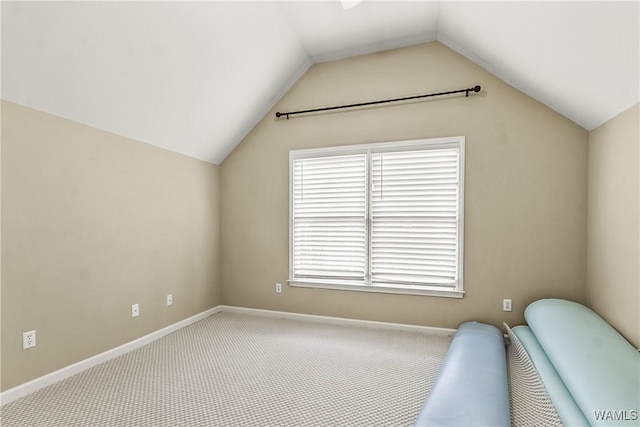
column 386, row 289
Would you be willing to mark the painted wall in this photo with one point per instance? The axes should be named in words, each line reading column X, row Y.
column 613, row 277
column 526, row 188
column 92, row 223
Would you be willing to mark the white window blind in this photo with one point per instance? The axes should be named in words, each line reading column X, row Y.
column 329, row 217
column 382, row 217
column 414, row 208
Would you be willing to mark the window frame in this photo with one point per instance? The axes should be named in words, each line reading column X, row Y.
column 456, row 291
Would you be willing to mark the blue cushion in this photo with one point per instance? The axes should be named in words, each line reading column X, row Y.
column 599, row 367
column 567, row 409
column 471, row 388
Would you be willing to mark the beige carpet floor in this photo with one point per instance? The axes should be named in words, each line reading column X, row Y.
column 235, row 369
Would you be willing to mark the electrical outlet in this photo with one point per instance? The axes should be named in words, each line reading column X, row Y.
column 135, row 310
column 278, row 288
column 28, row 339
column 506, row 305
column 169, row 299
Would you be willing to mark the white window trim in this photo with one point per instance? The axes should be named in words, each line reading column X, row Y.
column 433, row 143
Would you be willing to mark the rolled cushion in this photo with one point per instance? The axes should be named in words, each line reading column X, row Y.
column 598, row 366
column 471, row 388
column 568, row 411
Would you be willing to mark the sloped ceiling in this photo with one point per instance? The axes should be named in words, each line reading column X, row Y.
column 195, row 77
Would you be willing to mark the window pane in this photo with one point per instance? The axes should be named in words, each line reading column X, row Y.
column 329, row 217
column 414, row 210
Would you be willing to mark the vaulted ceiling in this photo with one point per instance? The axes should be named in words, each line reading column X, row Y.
column 195, row 77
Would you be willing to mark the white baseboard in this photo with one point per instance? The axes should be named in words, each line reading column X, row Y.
column 336, row 320
column 55, row 376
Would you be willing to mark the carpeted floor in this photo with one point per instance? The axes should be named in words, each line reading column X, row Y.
column 235, row 369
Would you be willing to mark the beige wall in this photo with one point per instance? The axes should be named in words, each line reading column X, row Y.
column 613, row 279
column 92, row 223
column 526, row 188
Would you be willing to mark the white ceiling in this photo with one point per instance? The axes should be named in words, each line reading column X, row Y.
column 195, row 77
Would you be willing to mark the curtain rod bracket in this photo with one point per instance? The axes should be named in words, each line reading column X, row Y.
column 475, row 89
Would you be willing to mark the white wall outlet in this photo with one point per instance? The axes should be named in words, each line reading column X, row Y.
column 278, row 288
column 135, row 310
column 506, row 305
column 28, row 339
column 169, row 299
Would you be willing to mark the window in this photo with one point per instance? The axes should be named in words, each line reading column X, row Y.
column 384, row 217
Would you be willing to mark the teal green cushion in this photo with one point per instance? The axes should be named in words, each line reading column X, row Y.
column 599, row 367
column 567, row 409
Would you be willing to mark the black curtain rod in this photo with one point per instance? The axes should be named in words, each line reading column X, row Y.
column 384, row 101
